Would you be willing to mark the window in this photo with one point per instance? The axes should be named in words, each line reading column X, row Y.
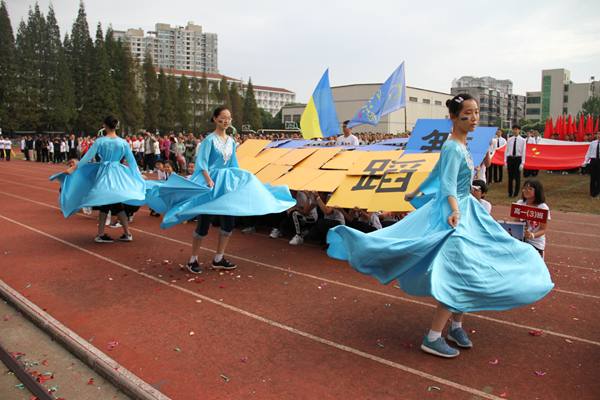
column 566, row 88
column 534, row 111
column 438, row 103
column 426, row 101
column 413, row 99
column 566, row 99
column 534, row 100
column 565, row 110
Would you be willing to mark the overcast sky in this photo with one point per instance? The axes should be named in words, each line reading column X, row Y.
column 290, row 44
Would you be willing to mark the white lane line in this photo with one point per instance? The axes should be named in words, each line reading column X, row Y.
column 573, row 247
column 408, row 300
column 270, row 322
column 573, row 266
column 31, row 186
column 576, row 294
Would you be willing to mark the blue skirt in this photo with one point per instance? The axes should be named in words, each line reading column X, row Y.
column 236, row 192
column 475, row 266
column 99, row 184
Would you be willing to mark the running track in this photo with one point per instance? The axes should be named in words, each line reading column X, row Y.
column 289, row 323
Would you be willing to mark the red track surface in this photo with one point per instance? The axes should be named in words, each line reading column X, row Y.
column 290, row 322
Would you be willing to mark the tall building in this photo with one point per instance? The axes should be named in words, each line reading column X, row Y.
column 501, row 85
column 349, row 99
column 495, row 107
column 182, row 48
column 270, row 99
column 559, row 95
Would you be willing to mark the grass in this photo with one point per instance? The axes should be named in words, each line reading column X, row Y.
column 570, row 193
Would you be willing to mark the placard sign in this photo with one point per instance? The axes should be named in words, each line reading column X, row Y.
column 529, row 213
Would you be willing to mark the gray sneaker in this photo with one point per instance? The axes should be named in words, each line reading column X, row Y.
column 459, row 336
column 248, row 230
column 439, row 348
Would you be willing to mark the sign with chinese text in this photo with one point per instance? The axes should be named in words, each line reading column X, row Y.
column 529, row 213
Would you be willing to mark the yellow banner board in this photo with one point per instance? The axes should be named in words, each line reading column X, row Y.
column 343, row 160
column 270, row 173
column 373, row 163
column 298, row 178
column 327, row 182
column 252, row 165
column 377, row 192
column 319, row 157
column 294, row 157
column 250, row 148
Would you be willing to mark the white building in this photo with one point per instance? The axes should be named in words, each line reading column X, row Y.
column 349, row 99
column 270, row 99
column 182, row 48
column 501, row 85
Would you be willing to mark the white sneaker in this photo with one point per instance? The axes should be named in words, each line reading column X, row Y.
column 297, row 240
column 130, row 218
column 115, row 224
column 275, row 233
column 88, row 210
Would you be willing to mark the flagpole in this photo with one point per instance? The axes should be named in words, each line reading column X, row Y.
column 405, row 123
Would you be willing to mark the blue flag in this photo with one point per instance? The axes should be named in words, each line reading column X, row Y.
column 391, row 96
column 319, row 119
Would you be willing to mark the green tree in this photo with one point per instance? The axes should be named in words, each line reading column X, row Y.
column 151, row 101
column 237, row 106
column 278, row 120
column 196, row 103
column 131, row 112
column 28, row 107
column 214, row 95
column 267, row 119
column 58, row 98
column 80, row 58
column 251, row 111
column 8, row 71
column 525, row 121
column 103, row 95
column 591, row 107
column 172, row 82
column 204, row 93
column 224, row 98
column 497, row 122
column 165, row 115
column 184, row 115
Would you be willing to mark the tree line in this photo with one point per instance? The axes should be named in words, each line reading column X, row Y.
column 69, row 85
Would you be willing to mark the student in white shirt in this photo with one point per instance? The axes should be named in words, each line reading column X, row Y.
column 497, row 169
column 478, row 190
column 348, row 139
column 50, row 151
column 514, row 159
column 592, row 160
column 535, row 232
column 302, row 214
column 332, row 216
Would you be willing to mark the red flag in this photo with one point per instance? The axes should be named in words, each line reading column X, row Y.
column 568, row 127
column 589, row 127
column 560, row 125
column 581, row 129
column 596, row 128
column 548, row 156
column 551, row 126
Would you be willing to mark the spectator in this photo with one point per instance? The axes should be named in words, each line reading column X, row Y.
column 478, row 190
column 348, row 139
column 592, row 161
column 190, row 149
column 535, row 232
column 300, row 217
column 514, row 159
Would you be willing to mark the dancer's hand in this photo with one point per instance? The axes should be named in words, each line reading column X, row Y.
column 210, row 183
column 410, row 195
column 453, row 220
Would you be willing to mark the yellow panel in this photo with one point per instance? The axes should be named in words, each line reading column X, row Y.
column 376, row 193
column 252, row 165
column 327, row 182
column 374, row 163
column 343, row 160
column 271, row 172
column 319, row 157
column 298, row 177
column 346, row 198
column 294, row 157
column 272, row 154
column 393, row 199
column 251, row 148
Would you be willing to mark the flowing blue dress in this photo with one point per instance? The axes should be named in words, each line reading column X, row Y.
column 475, row 266
column 105, row 182
column 236, row 191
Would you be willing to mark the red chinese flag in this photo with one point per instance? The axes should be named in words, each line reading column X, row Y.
column 596, row 128
column 548, row 156
column 589, row 127
column 581, row 129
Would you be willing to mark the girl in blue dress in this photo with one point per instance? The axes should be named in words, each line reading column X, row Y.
column 217, row 187
column 105, row 184
column 450, row 248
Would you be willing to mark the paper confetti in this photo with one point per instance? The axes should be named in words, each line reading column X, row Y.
column 224, row 377
column 494, row 362
column 539, row 373
column 244, row 359
column 536, row 333
column 433, row 387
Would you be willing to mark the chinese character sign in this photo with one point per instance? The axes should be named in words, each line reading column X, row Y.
column 430, row 134
column 529, row 213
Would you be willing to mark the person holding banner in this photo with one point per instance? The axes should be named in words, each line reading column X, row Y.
column 450, row 248
column 535, row 232
column 514, row 159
